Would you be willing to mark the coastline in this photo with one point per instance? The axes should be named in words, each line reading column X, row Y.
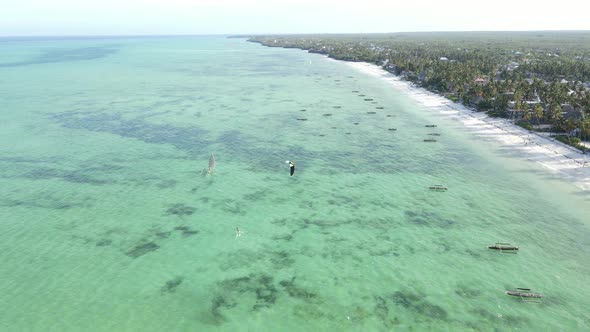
column 554, row 156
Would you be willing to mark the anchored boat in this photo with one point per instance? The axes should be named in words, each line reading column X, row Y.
column 525, row 294
column 438, row 187
column 502, row 246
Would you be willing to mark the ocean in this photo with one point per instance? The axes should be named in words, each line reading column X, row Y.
column 109, row 222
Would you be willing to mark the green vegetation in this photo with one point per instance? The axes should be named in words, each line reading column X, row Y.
column 525, row 124
column 536, row 77
column 571, row 141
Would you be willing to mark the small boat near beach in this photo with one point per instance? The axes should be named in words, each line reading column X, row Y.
column 430, row 126
column 503, row 246
column 438, row 187
column 525, row 294
column 429, row 140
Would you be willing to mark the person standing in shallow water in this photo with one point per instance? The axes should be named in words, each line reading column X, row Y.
column 292, row 167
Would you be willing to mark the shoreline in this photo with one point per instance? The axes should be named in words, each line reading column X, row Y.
column 554, row 156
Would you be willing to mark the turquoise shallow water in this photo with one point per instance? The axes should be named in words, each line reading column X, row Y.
column 109, row 224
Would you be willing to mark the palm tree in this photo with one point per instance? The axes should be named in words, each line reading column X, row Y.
column 555, row 114
column 584, row 126
column 527, row 114
column 538, row 111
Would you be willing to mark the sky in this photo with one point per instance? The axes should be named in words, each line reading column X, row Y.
column 147, row 17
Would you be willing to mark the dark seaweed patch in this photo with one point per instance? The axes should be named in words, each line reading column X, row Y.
column 473, row 253
column 336, row 106
column 189, row 233
column 163, row 235
column 302, row 110
column 382, row 311
column 427, row 218
column 256, row 196
column 327, row 114
column 281, row 259
column 142, row 249
column 231, row 206
column 189, row 139
column 355, row 123
column 381, row 308
column 368, row 99
column 83, row 176
column 186, row 231
column 297, row 292
column 48, row 200
column 65, row 55
column 171, row 285
column 301, row 119
column 392, row 129
column 279, row 222
column 284, row 237
column 218, row 303
column 379, row 107
column 104, row 243
column 180, row 210
column 185, row 138
column 407, row 299
column 417, row 303
column 262, row 286
column 371, row 112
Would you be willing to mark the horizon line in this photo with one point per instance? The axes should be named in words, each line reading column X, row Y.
column 277, row 33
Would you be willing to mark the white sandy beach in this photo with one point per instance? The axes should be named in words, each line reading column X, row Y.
column 554, row 156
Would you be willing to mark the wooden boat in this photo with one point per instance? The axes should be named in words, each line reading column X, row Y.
column 502, row 246
column 438, row 187
column 429, row 140
column 525, row 294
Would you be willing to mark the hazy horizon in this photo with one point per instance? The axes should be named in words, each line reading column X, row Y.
column 271, row 33
column 232, row 17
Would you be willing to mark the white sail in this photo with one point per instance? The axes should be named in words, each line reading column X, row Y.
column 211, row 164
